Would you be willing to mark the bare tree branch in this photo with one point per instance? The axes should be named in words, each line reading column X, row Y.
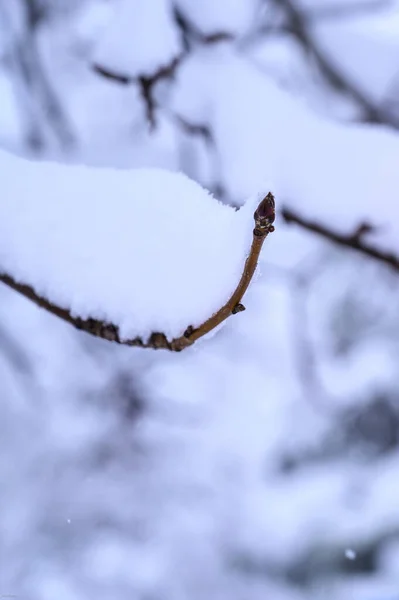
column 191, row 34
column 15, row 353
column 264, row 219
column 345, row 9
column 31, row 78
column 147, row 82
column 35, row 13
column 354, row 241
column 198, row 129
column 299, row 26
column 112, row 76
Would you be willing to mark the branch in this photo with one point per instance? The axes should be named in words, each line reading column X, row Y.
column 195, row 129
column 298, row 23
column 147, row 82
column 354, row 241
column 30, row 73
column 191, row 34
column 264, row 219
column 112, row 76
column 345, row 9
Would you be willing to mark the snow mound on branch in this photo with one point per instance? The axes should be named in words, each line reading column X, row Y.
column 141, row 39
column 339, row 175
column 147, row 250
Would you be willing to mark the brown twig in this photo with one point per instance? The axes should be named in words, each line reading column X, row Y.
column 264, row 218
column 354, row 241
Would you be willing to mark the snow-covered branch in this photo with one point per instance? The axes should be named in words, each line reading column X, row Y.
column 143, row 257
column 263, row 217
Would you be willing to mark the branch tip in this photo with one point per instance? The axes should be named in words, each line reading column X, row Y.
column 265, row 215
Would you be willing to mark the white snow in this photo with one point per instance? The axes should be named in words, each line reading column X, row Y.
column 148, row 250
column 341, row 175
column 233, row 477
column 124, row 50
column 350, row 554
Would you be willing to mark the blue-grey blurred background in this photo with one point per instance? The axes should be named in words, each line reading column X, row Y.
column 264, row 464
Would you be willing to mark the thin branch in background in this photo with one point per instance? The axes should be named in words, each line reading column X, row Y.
column 264, row 219
column 204, row 132
column 148, row 82
column 298, row 24
column 353, row 241
column 31, row 79
column 300, row 281
column 33, row 133
column 195, row 129
column 191, row 34
column 316, row 14
column 147, row 87
column 345, row 10
column 112, row 76
column 390, row 101
column 35, row 13
column 305, row 357
column 46, row 95
column 15, row 353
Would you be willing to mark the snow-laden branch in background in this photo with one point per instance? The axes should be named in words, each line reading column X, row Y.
column 145, row 257
column 125, row 56
column 141, row 45
column 300, row 27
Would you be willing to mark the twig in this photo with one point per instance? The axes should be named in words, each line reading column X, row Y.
column 14, row 353
column 191, row 33
column 195, row 129
column 353, row 241
column 147, row 82
column 204, row 132
column 112, row 76
column 264, row 219
column 305, row 355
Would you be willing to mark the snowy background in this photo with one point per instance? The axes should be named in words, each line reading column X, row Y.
column 263, row 463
